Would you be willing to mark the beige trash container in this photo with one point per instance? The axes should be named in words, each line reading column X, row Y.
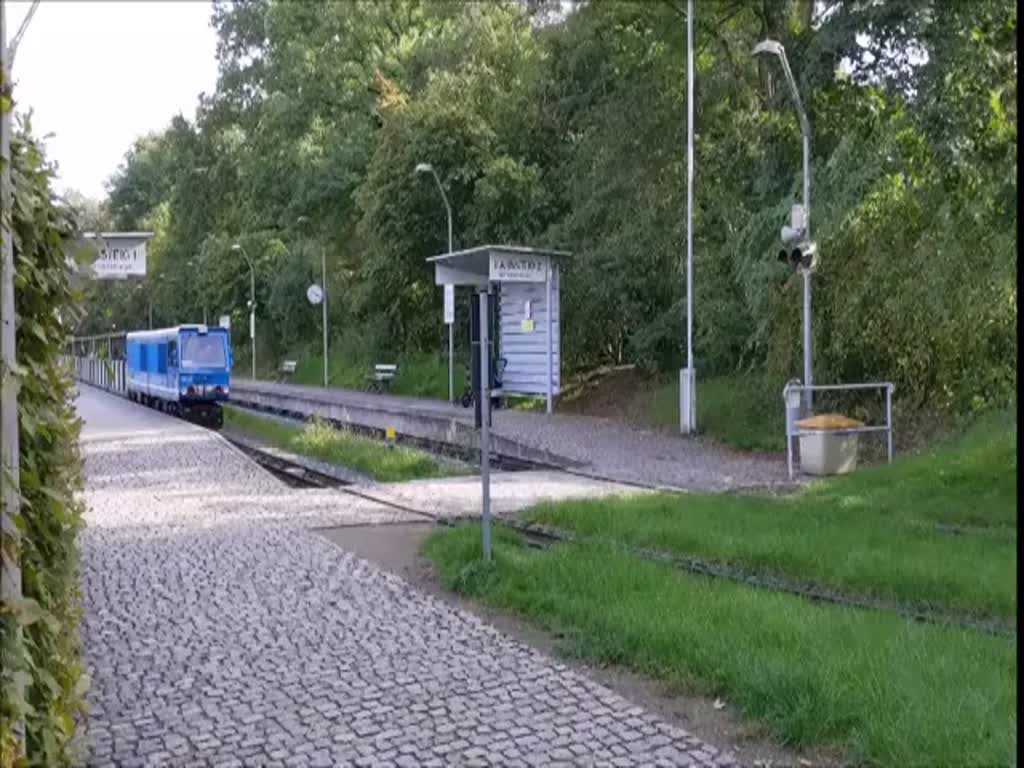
column 824, row 448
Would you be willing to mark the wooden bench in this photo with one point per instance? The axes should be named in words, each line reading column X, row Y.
column 287, row 369
column 382, row 376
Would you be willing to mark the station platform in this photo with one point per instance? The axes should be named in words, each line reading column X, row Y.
column 600, row 447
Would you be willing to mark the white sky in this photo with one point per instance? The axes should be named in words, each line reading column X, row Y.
column 99, row 74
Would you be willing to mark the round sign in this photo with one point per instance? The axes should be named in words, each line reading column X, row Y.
column 315, row 294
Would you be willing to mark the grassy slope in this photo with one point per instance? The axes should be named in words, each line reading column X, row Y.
column 881, row 689
column 319, row 441
column 885, row 690
column 739, row 411
column 872, row 532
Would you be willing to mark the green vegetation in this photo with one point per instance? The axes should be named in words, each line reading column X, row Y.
column 741, row 410
column 564, row 130
column 347, row 449
column 41, row 678
column 420, row 374
column 883, row 690
column 875, row 531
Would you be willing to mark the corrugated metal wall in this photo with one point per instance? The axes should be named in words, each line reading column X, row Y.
column 526, row 352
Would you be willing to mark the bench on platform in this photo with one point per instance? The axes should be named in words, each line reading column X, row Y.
column 382, row 376
column 287, row 369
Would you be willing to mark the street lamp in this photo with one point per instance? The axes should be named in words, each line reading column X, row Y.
column 323, row 300
column 773, row 47
column 449, row 290
column 252, row 304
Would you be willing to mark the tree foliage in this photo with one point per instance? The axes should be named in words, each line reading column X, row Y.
column 564, row 125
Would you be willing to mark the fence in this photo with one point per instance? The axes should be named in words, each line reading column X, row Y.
column 99, row 372
column 791, row 397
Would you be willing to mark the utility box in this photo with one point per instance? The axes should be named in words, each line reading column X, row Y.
column 826, row 445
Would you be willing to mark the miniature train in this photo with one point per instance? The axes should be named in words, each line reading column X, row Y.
column 184, row 371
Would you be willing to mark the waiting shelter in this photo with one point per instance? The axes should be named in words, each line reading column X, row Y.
column 523, row 284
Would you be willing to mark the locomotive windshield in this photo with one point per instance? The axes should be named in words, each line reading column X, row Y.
column 203, row 352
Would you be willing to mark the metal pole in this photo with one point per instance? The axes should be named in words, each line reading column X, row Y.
column 485, row 433
column 888, row 418
column 323, row 272
column 688, row 393
column 808, row 340
column 550, row 341
column 451, row 326
column 252, row 315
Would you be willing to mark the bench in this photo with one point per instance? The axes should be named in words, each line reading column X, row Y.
column 287, row 369
column 382, row 376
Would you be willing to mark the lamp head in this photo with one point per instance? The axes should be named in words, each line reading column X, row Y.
column 424, row 168
column 768, row 46
column 236, row 247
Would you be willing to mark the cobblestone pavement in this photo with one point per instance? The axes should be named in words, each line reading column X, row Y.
column 219, row 630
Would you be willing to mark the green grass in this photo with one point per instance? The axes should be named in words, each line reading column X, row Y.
column 319, row 441
column 744, row 412
column 883, row 690
column 871, row 532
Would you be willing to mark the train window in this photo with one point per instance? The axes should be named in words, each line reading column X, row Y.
column 203, row 351
column 172, row 354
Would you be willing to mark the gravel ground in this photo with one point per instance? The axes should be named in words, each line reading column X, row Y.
column 219, row 630
column 598, row 446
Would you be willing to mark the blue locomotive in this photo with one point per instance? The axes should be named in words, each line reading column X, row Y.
column 185, row 371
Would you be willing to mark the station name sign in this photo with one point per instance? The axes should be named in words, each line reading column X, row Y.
column 119, row 254
column 518, row 268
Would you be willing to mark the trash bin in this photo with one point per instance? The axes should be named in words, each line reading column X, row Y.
column 825, row 447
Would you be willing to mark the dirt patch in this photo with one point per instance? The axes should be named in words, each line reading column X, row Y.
column 396, row 548
column 615, row 394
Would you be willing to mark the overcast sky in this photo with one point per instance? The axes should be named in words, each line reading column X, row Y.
column 99, row 74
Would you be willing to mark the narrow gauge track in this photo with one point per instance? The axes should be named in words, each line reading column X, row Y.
column 541, row 537
column 471, row 455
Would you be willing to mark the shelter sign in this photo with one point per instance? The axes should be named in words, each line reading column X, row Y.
column 517, row 267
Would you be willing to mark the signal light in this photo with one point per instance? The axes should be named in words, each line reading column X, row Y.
column 191, row 390
column 803, row 256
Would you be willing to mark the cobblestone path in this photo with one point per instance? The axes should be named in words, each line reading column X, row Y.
column 220, row 630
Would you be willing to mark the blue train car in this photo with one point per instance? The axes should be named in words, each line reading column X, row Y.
column 185, row 370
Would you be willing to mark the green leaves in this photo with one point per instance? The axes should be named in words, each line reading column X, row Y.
column 39, row 633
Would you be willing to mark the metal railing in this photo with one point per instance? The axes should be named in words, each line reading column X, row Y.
column 791, row 397
column 109, row 375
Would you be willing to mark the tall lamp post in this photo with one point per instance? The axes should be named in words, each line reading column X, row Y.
column 773, row 47
column 688, row 384
column 323, row 300
column 252, row 304
column 449, row 290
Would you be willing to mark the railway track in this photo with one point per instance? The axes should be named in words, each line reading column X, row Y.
column 541, row 537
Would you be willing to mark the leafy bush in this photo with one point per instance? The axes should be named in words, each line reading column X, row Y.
column 42, row 659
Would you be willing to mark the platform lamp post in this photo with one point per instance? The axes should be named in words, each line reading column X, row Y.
column 775, row 48
column 688, row 379
column 323, row 300
column 252, row 303
column 449, row 290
